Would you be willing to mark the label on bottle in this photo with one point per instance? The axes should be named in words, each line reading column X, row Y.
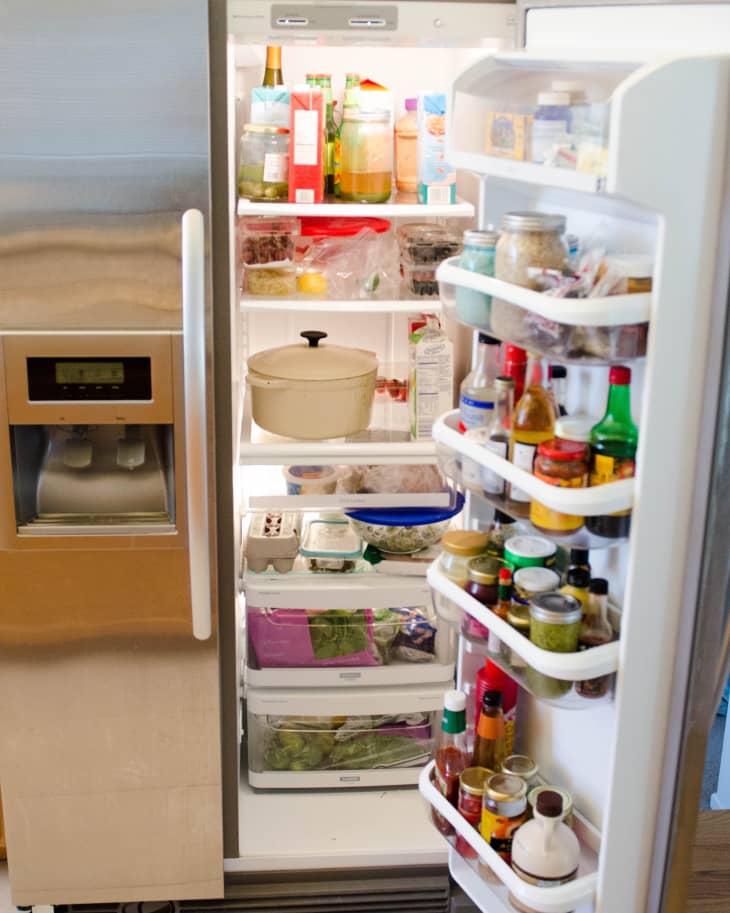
column 492, row 483
column 610, row 469
column 473, row 413
column 523, row 457
column 490, row 727
column 497, row 830
column 276, row 168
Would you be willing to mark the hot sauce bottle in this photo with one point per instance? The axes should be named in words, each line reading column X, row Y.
column 451, row 754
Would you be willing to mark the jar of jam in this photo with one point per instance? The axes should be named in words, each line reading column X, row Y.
column 518, row 617
column 471, row 792
column 563, row 464
column 458, row 546
column 481, row 584
column 522, row 766
column 503, row 811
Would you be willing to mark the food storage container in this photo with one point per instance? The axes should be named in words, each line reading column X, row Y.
column 347, row 258
column 329, row 738
column 311, row 480
column 404, row 530
column 272, row 539
column 266, row 250
column 311, row 391
column 422, row 247
column 529, row 551
column 475, row 307
column 367, row 156
column 263, row 170
column 331, row 545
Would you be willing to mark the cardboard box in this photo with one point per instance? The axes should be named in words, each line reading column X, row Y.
column 508, row 135
column 306, row 153
column 430, row 376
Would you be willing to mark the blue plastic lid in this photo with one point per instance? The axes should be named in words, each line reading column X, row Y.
column 408, row 516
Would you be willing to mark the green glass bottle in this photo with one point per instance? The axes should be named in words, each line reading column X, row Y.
column 350, row 100
column 613, row 451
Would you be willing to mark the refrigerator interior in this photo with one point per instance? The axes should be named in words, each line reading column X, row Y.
column 587, row 752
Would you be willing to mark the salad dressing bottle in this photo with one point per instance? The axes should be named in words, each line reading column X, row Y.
column 532, row 423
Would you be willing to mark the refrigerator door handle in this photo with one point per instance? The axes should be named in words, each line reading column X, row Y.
column 196, row 430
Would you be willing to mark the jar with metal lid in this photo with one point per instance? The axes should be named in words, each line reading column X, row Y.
column 529, row 581
column 518, row 616
column 477, row 256
column 555, row 621
column 367, row 156
column 522, row 766
column 529, row 240
column 471, row 793
column 503, row 811
column 263, row 169
column 482, row 579
column 563, row 464
column 529, row 551
column 458, row 546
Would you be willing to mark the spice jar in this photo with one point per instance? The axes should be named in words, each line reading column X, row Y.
column 263, row 170
column 503, row 811
column 563, row 464
column 471, row 792
column 477, row 256
column 367, row 156
column 528, row 240
column 482, row 579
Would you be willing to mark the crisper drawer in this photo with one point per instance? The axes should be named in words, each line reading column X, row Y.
column 352, row 630
column 347, row 738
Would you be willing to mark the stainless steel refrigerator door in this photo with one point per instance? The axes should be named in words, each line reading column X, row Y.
column 110, row 762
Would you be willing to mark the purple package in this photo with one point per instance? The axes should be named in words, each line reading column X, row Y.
column 280, row 638
column 422, row 731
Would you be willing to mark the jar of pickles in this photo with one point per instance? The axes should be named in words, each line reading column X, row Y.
column 263, row 169
column 367, row 156
column 563, row 464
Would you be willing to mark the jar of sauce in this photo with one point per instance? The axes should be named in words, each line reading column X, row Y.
column 563, row 464
column 471, row 793
column 458, row 546
column 482, row 585
column 503, row 811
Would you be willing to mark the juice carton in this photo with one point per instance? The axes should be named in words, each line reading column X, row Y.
column 436, row 178
column 430, row 376
column 270, row 105
column 306, row 154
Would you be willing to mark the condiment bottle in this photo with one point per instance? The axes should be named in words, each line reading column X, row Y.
column 451, row 754
column 503, row 812
column 471, row 795
column 502, row 607
column 491, row 678
column 545, row 852
column 532, row 423
column 522, row 766
column 481, row 584
column 457, row 547
column 503, row 529
column 556, row 388
column 563, row 464
column 577, row 582
column 579, row 557
column 489, row 747
column 515, row 366
column 477, row 392
column 595, row 630
column 613, row 451
column 406, row 149
column 554, row 625
column 498, row 432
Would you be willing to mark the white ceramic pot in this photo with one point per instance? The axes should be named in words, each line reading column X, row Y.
column 311, row 391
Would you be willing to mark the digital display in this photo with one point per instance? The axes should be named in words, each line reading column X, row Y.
column 89, row 372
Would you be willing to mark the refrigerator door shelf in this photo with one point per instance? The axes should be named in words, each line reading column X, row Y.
column 557, row 899
column 452, row 466
column 583, row 502
column 567, row 667
column 400, row 206
column 586, row 331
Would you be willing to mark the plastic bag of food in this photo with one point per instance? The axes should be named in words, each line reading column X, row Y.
column 416, row 640
column 386, row 479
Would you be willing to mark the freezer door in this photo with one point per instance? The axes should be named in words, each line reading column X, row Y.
column 109, row 699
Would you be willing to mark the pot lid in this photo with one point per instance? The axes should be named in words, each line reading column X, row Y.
column 311, row 361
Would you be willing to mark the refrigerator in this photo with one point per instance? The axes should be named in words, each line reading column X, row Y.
column 125, row 766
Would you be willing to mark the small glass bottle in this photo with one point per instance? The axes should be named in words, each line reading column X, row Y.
column 477, row 390
column 450, row 755
column 595, row 630
column 557, row 375
column 489, row 748
column 532, row 423
column 577, row 583
column 503, row 529
column 498, row 432
column 406, row 149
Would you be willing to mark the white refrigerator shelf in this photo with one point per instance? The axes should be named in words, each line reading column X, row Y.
column 250, row 303
column 400, row 205
column 584, row 502
column 527, row 172
column 610, row 311
column 557, row 899
column 586, row 664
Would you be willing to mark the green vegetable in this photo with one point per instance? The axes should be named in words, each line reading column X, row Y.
column 386, row 627
column 338, row 632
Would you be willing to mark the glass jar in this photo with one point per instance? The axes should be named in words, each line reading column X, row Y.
column 563, row 464
column 503, row 811
column 555, row 622
column 458, row 546
column 522, row 766
column 263, row 169
column 483, row 574
column 471, row 793
column 518, row 616
column 367, row 156
column 477, row 256
column 528, row 240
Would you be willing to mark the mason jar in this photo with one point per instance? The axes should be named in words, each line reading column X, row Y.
column 477, row 256
column 263, row 169
column 367, row 156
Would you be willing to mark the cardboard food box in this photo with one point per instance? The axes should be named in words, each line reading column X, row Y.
column 306, row 159
column 430, row 376
column 508, row 135
column 436, row 177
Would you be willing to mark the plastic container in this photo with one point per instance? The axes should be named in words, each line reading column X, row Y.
column 326, row 738
column 331, row 545
column 422, row 247
column 311, row 480
column 529, row 551
column 549, row 124
column 263, row 170
column 403, row 531
column 406, row 149
column 266, row 251
column 347, row 258
column 477, row 256
column 367, row 156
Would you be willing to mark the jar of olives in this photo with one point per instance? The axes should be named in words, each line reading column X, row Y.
column 263, row 168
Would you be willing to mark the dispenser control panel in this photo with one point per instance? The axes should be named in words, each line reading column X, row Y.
column 107, row 378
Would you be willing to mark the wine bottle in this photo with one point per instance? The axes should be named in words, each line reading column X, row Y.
column 272, row 74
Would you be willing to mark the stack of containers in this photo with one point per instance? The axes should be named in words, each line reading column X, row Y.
column 422, row 247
